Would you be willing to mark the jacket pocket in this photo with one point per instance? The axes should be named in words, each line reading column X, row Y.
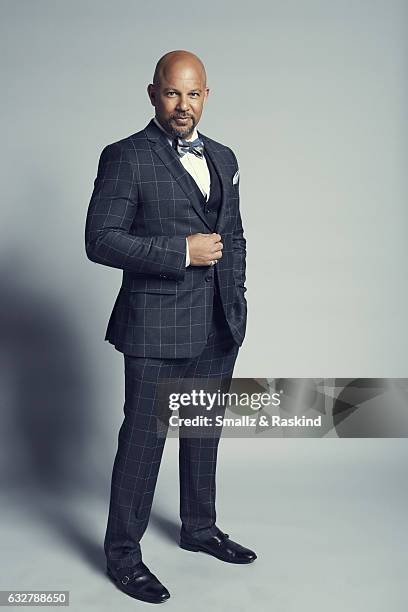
column 155, row 290
column 152, row 289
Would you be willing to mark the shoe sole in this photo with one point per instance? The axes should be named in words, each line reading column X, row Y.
column 193, row 548
column 141, row 598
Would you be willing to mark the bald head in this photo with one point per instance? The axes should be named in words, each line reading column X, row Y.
column 178, row 92
column 177, row 60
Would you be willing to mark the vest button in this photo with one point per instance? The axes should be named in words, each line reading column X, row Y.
column 208, row 278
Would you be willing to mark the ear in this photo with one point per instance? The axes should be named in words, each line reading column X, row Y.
column 151, row 92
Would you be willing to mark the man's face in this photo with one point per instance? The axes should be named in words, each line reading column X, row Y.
column 179, row 99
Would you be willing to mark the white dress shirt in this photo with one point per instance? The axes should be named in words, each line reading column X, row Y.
column 196, row 167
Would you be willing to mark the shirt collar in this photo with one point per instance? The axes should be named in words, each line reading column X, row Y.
column 193, row 136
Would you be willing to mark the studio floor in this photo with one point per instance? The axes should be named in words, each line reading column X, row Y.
column 327, row 518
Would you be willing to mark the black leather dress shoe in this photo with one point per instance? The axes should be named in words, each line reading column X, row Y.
column 139, row 582
column 219, row 546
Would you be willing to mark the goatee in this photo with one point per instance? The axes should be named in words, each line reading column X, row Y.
column 180, row 132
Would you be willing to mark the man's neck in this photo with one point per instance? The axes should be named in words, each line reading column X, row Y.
column 193, row 136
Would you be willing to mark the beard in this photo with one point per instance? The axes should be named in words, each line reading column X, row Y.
column 180, row 131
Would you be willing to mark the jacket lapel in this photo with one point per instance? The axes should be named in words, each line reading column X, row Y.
column 160, row 146
column 219, row 166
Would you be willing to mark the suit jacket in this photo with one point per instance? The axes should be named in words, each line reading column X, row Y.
column 142, row 208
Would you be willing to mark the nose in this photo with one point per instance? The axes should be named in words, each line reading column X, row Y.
column 183, row 103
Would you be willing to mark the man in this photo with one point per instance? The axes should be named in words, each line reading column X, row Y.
column 165, row 210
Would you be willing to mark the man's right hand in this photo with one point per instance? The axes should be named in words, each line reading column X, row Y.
column 204, row 249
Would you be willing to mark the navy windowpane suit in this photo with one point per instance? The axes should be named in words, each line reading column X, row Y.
column 169, row 320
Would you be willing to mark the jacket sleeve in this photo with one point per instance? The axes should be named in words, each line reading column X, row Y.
column 111, row 212
column 239, row 244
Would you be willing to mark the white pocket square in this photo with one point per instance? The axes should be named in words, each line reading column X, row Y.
column 235, row 178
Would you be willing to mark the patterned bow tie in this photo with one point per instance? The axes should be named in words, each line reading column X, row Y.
column 189, row 146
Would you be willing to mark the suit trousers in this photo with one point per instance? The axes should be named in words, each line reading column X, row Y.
column 140, row 444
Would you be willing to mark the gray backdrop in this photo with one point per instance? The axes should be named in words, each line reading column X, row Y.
column 310, row 94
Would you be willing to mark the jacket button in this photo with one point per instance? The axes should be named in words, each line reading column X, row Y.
column 208, row 278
